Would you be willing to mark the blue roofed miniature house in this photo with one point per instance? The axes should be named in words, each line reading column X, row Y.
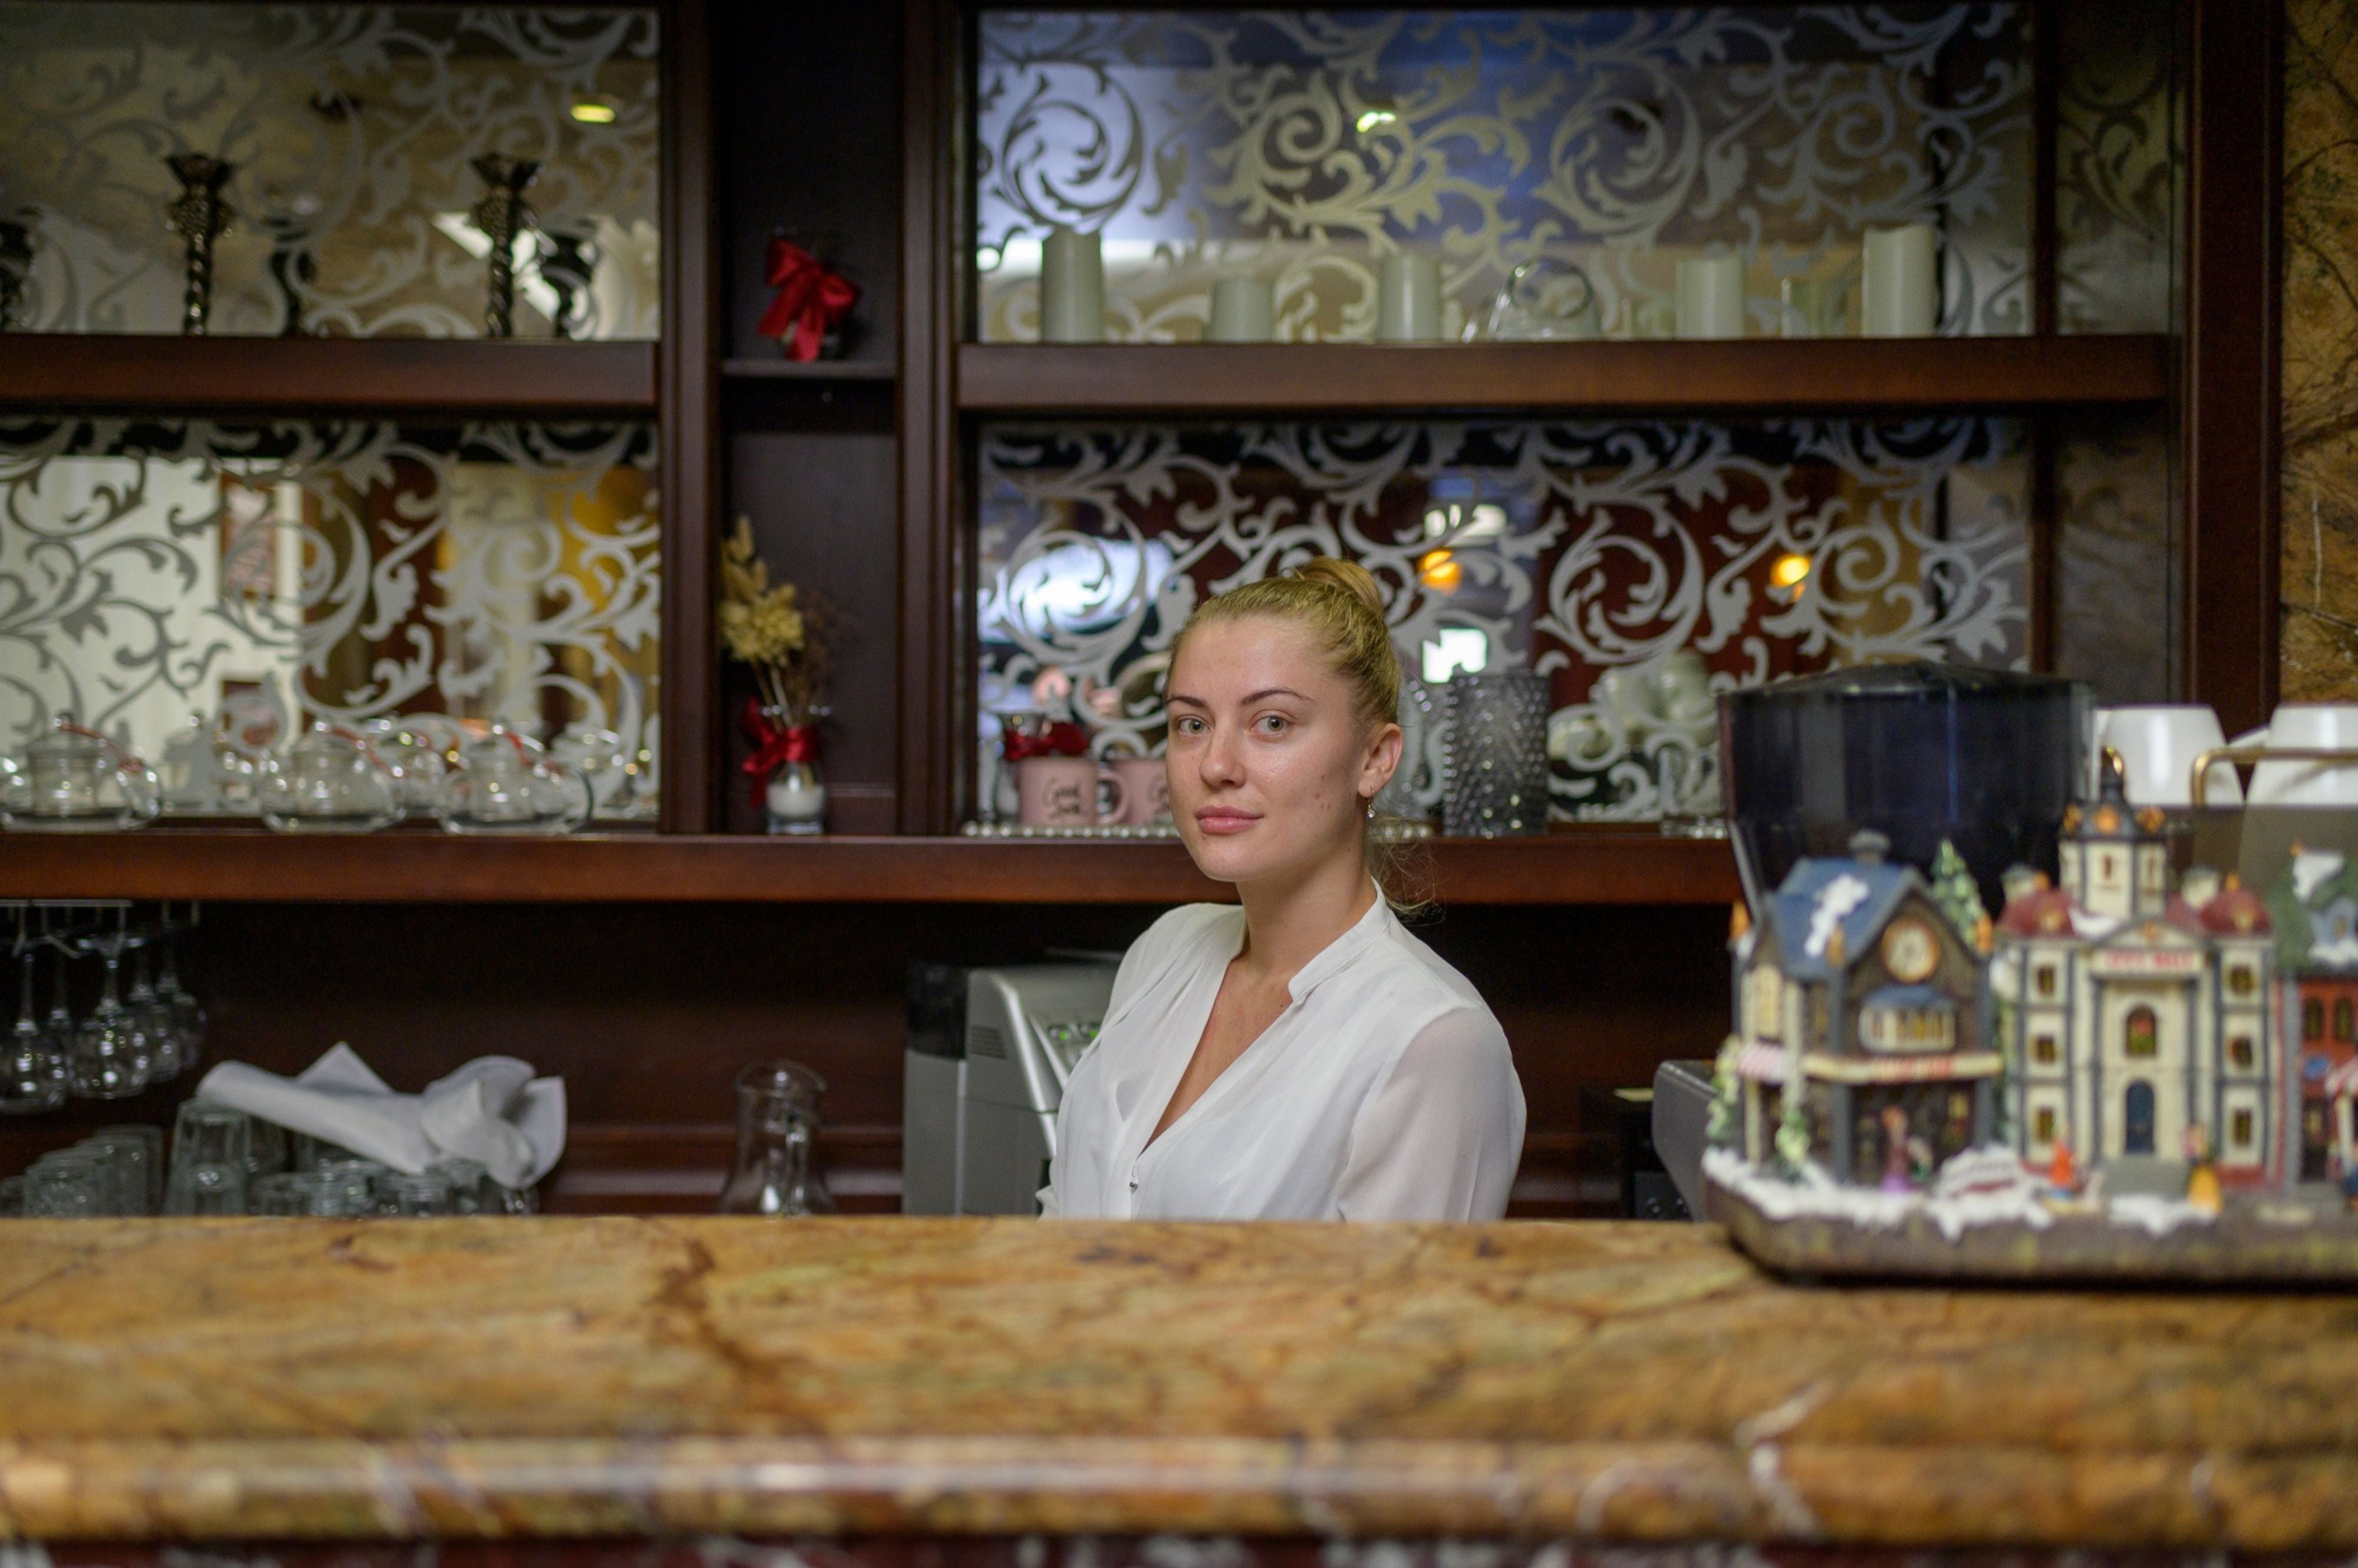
column 1863, row 1030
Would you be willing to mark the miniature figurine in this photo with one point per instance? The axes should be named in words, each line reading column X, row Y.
column 2062, row 1172
column 2134, row 1015
column 2203, row 1190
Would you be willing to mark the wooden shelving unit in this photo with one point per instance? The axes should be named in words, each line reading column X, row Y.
column 1762, row 376
column 387, row 377
column 1584, row 867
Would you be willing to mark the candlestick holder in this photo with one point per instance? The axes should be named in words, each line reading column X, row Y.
column 567, row 265
column 200, row 217
column 293, row 267
column 15, row 261
column 501, row 214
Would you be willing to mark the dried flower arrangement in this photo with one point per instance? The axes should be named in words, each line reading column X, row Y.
column 783, row 637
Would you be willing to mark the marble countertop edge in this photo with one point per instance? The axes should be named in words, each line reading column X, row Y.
column 325, row 1488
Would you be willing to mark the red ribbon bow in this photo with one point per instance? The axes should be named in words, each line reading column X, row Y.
column 1062, row 739
column 774, row 747
column 810, row 299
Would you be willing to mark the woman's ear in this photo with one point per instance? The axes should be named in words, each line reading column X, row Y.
column 1381, row 762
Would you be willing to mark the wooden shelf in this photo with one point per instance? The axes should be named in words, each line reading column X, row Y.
column 251, row 864
column 310, row 375
column 783, row 369
column 1764, row 374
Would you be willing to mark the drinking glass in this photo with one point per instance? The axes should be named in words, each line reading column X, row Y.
column 154, row 1017
column 209, row 1146
column 470, row 1185
column 186, row 1012
column 12, row 1197
column 111, row 1055
column 350, row 1183
column 309, row 1153
column 400, row 1196
column 33, row 1070
column 142, row 1150
column 306, row 1195
column 125, row 1179
column 64, row 1185
column 268, row 1155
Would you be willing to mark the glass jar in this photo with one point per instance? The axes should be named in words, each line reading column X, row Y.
column 504, row 782
column 777, row 1169
column 74, row 780
column 330, row 781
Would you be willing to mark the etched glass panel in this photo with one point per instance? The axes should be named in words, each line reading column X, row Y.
column 1577, row 549
column 2119, row 124
column 352, row 130
column 1303, row 147
column 150, row 571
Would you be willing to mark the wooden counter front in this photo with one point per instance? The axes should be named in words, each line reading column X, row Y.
column 622, row 1378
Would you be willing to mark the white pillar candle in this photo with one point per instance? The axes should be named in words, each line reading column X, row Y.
column 1711, row 296
column 1900, row 282
column 1408, row 299
column 1244, row 310
column 1072, row 289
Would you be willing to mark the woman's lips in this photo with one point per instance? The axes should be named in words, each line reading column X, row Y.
column 1224, row 819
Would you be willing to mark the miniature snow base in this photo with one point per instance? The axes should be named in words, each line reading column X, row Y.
column 1820, row 1196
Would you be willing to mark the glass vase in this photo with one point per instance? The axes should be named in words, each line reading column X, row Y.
column 1496, row 763
column 776, row 1171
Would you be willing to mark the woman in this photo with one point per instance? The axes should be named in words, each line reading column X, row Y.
column 1300, row 1056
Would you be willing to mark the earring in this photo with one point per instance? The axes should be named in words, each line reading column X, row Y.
column 1372, row 811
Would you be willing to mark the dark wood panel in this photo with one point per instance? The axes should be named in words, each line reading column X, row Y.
column 1751, row 375
column 933, row 621
column 822, row 508
column 2230, row 383
column 419, row 866
column 809, row 119
column 689, row 698
column 783, row 369
column 390, row 376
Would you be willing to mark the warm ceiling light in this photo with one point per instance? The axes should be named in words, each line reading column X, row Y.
column 590, row 111
column 1789, row 571
column 1370, row 119
column 1439, row 570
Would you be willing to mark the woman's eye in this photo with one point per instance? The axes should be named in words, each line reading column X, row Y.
column 1191, row 726
column 1272, row 724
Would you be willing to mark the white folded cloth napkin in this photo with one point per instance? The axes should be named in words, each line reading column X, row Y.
column 492, row 1111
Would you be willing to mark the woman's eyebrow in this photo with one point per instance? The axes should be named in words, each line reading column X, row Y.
column 1276, row 691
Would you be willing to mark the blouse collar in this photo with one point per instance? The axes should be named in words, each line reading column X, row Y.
column 1368, row 930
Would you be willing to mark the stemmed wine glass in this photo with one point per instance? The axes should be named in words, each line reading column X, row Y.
column 187, row 1013
column 32, row 1067
column 112, row 1055
column 155, row 1016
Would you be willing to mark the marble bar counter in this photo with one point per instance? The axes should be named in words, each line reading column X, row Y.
column 390, row 1380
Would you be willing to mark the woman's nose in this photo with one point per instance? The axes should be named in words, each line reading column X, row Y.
column 1222, row 760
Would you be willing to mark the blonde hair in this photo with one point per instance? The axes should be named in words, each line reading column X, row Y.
column 1339, row 603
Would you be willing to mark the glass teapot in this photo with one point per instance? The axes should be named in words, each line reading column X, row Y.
column 74, row 780
column 504, row 782
column 777, row 1170
column 330, row 781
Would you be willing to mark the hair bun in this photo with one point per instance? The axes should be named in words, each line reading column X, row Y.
column 1349, row 576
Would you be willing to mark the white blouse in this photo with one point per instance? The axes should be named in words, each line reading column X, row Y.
column 1383, row 1091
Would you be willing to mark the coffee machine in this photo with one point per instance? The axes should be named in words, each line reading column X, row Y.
column 988, row 1054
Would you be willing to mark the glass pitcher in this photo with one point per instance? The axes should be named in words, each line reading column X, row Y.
column 75, row 780
column 777, row 1169
column 504, row 782
column 330, row 781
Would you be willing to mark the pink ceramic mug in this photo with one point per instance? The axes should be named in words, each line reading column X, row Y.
column 1062, row 791
column 1149, row 786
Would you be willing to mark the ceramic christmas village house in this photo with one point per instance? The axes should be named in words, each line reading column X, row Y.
column 1887, row 1025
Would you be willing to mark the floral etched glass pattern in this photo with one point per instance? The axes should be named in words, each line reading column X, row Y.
column 353, row 129
column 150, row 571
column 1768, row 548
column 1303, row 147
